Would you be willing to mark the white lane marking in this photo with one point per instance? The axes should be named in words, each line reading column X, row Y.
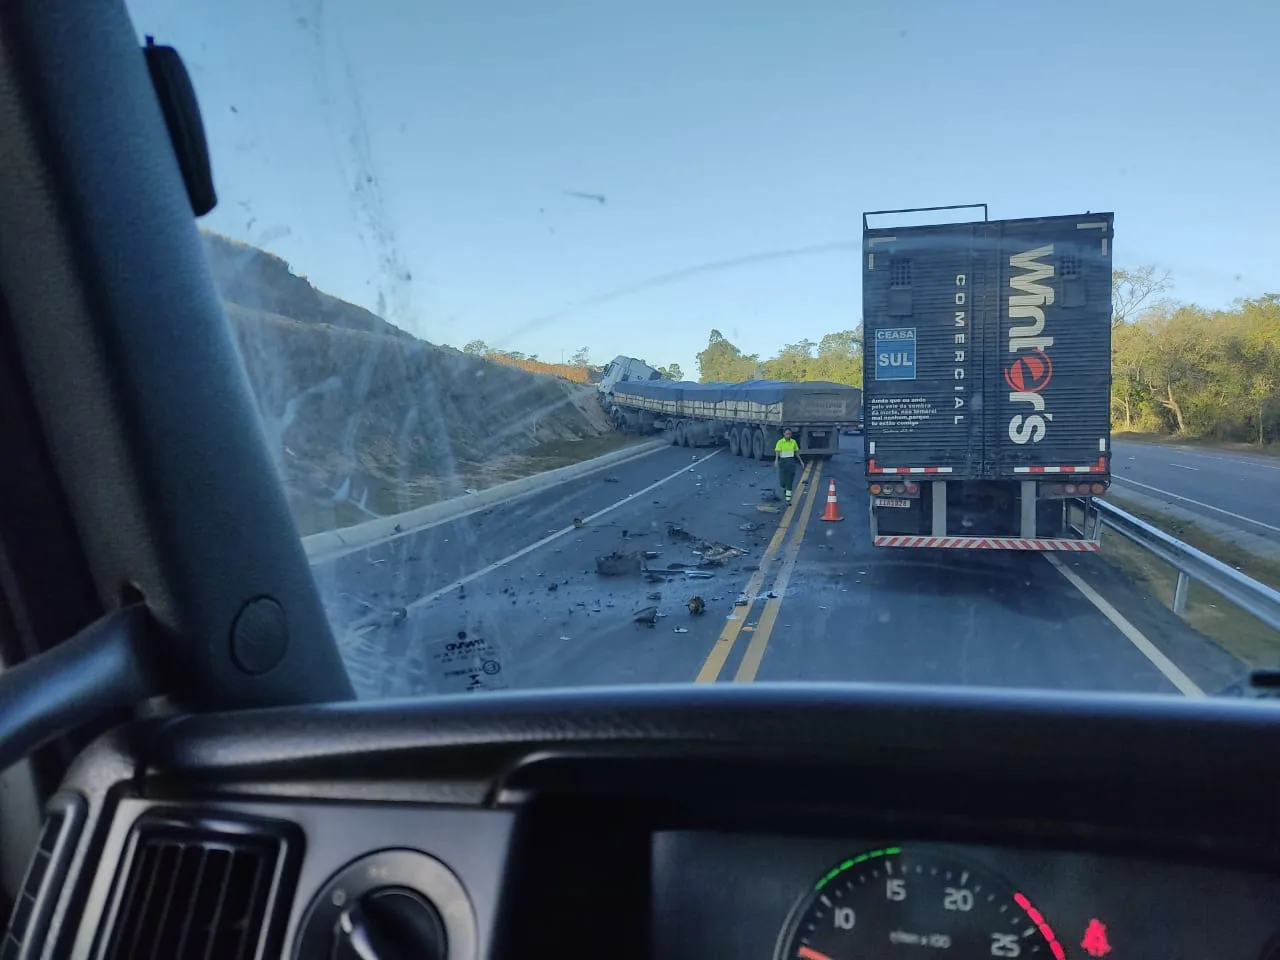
column 551, row 537
column 1148, row 649
column 1207, row 506
column 1182, row 466
column 1242, row 461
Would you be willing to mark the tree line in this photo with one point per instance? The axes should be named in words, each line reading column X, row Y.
column 1176, row 368
column 836, row 358
column 1189, row 371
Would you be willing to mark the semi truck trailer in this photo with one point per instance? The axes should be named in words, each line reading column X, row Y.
column 748, row 417
column 987, row 378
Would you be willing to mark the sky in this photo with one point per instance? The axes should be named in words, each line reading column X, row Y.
column 419, row 158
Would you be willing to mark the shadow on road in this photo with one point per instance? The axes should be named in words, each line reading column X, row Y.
column 1021, row 582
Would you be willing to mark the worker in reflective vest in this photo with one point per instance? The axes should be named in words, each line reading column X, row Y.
column 786, row 457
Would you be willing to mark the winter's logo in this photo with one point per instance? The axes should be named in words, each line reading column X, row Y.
column 1030, row 372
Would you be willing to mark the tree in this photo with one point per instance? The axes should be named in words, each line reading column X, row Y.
column 721, row 361
column 582, row 358
column 672, row 372
column 1131, row 289
column 477, row 347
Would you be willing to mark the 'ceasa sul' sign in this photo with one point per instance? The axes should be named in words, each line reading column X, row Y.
column 896, row 353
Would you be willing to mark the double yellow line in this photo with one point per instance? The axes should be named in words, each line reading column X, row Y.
column 719, row 654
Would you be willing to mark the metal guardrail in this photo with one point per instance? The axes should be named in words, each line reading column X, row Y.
column 1192, row 564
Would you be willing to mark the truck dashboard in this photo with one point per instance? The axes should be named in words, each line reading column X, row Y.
column 774, row 821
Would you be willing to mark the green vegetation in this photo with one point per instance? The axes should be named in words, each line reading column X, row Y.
column 1178, row 369
column 1233, row 629
column 837, row 358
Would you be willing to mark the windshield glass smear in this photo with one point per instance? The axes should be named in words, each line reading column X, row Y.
column 603, row 345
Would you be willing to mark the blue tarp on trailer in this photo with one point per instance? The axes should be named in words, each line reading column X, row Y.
column 758, row 391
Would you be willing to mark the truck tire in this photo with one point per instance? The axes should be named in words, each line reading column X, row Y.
column 682, row 438
column 735, row 446
column 673, row 433
column 757, row 443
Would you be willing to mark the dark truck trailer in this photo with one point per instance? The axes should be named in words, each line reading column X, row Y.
column 987, row 381
column 749, row 417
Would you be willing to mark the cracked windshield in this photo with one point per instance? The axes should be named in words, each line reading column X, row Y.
column 599, row 343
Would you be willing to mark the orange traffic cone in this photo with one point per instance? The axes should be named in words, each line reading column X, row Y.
column 833, row 508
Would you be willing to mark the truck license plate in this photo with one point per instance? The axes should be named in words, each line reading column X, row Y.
column 885, row 502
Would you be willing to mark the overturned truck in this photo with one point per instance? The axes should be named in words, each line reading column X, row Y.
column 749, row 417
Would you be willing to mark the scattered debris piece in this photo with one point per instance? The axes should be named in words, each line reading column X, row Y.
column 552, row 587
column 612, row 480
column 766, row 508
column 742, row 601
column 652, row 554
column 578, row 522
column 699, row 574
column 677, row 532
column 654, row 596
column 648, row 615
column 680, row 630
column 618, row 564
column 697, row 605
column 718, row 554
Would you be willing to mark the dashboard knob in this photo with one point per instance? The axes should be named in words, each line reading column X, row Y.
column 390, row 923
column 389, row 905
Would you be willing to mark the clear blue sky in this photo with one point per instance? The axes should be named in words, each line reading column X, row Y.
column 414, row 157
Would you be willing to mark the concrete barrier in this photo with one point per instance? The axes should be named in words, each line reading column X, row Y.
column 335, row 543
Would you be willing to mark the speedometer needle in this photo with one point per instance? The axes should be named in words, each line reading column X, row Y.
column 808, row 953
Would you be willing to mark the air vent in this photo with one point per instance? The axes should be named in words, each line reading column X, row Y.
column 48, row 868
column 202, row 889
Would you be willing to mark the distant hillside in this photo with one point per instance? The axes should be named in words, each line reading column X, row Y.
column 365, row 419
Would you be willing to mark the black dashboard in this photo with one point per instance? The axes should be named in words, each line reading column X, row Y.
column 735, row 822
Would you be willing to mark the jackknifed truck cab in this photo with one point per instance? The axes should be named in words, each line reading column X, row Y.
column 987, row 380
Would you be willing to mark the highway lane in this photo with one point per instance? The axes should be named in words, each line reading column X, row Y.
column 1239, row 491
column 510, row 597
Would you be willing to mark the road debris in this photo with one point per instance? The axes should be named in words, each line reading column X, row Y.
column 697, row 605
column 618, row 564
column 680, row 630
column 717, row 554
column 648, row 615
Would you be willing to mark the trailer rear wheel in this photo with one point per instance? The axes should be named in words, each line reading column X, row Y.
column 757, row 443
column 673, row 432
column 682, row 436
column 735, row 446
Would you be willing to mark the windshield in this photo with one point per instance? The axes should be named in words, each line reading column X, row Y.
column 605, row 344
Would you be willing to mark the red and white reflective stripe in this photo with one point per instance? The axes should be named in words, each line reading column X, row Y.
column 988, row 543
column 872, row 468
column 1099, row 467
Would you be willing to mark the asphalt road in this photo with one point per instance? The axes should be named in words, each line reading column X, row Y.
column 1237, row 491
column 511, row 597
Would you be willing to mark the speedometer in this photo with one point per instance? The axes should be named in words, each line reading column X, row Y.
column 897, row 902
